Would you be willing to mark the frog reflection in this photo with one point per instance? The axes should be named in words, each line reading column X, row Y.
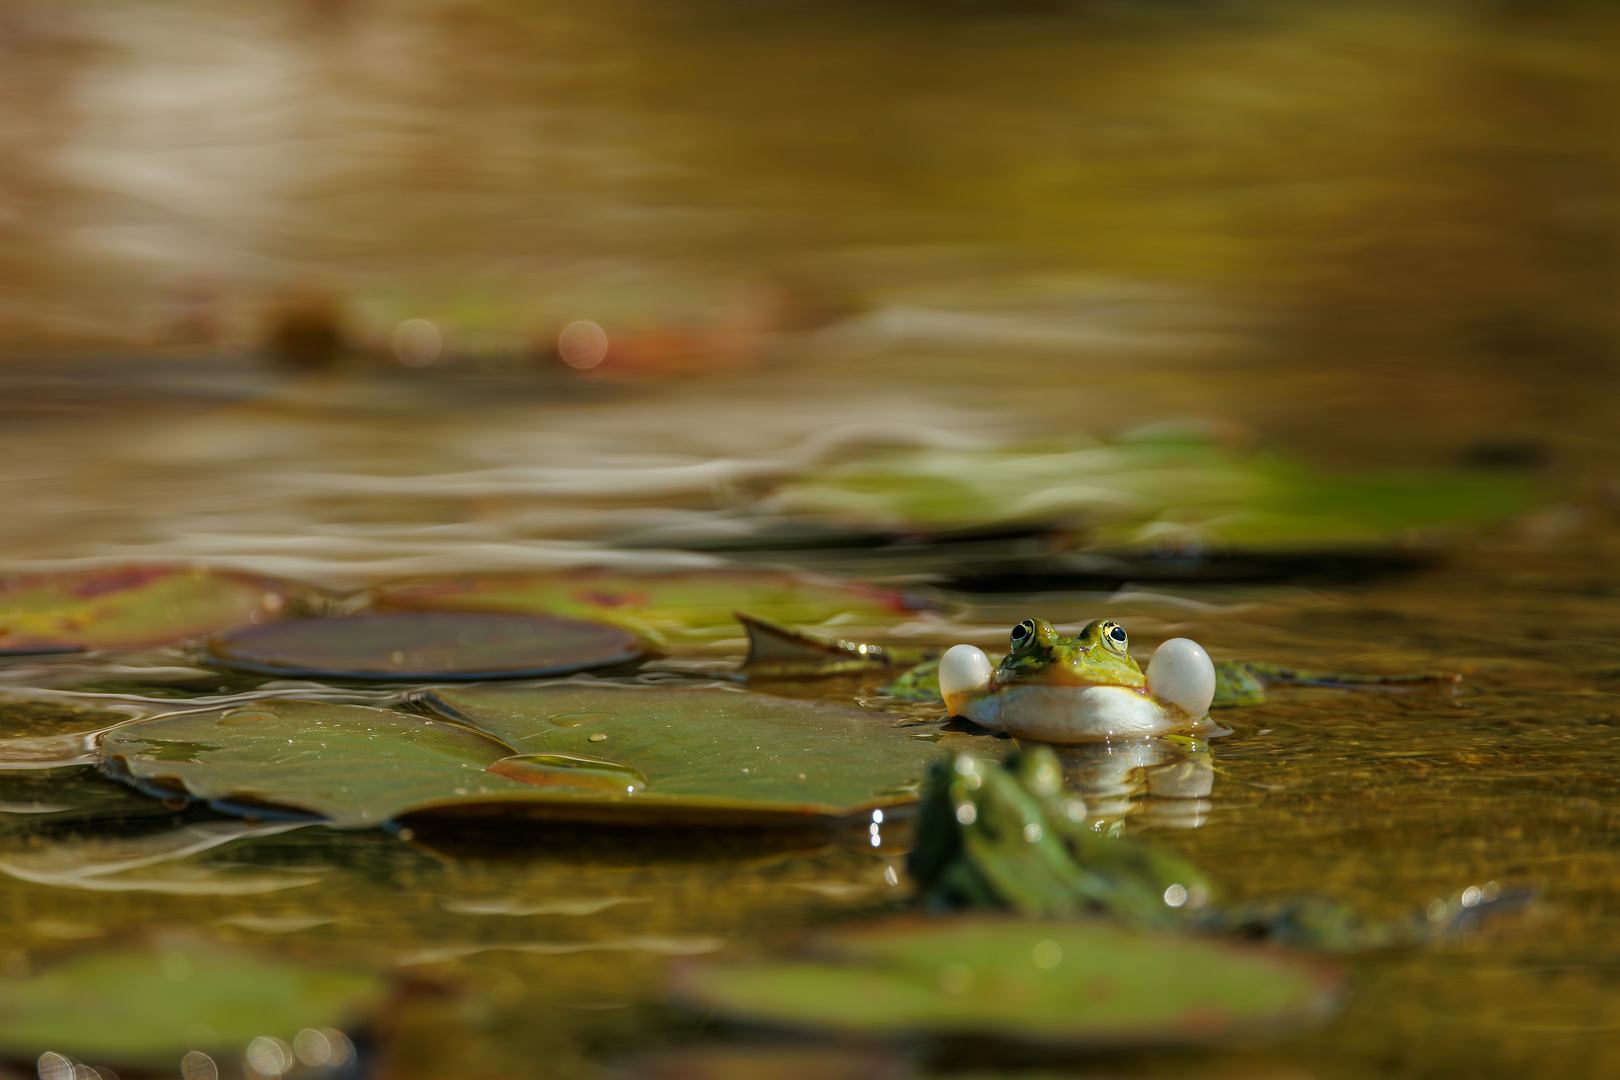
column 1068, row 690
column 1156, row 781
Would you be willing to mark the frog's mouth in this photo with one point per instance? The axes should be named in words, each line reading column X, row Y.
column 1181, row 675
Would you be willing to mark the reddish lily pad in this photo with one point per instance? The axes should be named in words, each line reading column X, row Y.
column 662, row 606
column 1078, row 983
column 426, row 646
column 129, row 606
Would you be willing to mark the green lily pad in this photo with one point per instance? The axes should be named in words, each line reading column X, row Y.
column 606, row 752
column 128, row 607
column 1082, row 982
column 665, row 606
column 148, row 1007
column 351, row 765
column 707, row 754
column 426, row 645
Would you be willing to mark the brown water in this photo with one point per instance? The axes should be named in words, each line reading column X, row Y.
column 1371, row 233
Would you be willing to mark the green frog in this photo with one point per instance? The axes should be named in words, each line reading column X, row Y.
column 1061, row 689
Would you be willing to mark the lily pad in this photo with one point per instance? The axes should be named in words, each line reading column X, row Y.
column 603, row 752
column 1081, row 982
column 148, row 1007
column 348, row 764
column 708, row 754
column 420, row 646
column 128, row 607
column 662, row 607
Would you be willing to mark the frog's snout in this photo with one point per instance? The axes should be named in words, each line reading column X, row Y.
column 1180, row 673
column 965, row 670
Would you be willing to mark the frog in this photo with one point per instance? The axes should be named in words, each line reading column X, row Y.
column 1057, row 689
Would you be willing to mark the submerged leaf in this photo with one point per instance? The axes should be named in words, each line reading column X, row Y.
column 146, row 1007
column 426, row 646
column 660, row 606
column 129, row 606
column 1071, row 982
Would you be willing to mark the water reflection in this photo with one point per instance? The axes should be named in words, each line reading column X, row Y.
column 1150, row 781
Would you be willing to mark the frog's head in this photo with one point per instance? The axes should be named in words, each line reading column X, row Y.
column 1099, row 656
column 1180, row 674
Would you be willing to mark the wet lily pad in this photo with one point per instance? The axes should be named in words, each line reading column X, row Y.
column 148, row 1007
column 604, row 752
column 662, row 607
column 128, row 607
column 706, row 754
column 421, row 646
column 1081, row 982
column 351, row 765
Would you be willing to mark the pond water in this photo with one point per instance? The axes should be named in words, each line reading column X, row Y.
column 909, row 238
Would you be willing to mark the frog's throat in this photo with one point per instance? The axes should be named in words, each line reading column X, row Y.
column 1066, row 714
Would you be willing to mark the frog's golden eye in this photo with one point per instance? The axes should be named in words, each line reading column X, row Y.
column 1113, row 636
column 1023, row 634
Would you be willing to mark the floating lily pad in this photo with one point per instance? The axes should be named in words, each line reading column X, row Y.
column 426, row 645
column 148, row 1007
column 351, row 765
column 665, row 606
column 619, row 754
column 1079, row 982
column 128, row 607
column 706, row 754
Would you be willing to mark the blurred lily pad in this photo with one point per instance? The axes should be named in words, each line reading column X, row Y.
column 426, row 645
column 148, row 1007
column 663, row 606
column 1168, row 486
column 1082, row 983
column 618, row 754
column 128, row 607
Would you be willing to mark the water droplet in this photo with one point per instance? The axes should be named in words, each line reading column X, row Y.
column 600, row 737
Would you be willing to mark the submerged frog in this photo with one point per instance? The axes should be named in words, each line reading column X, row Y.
column 1060, row 689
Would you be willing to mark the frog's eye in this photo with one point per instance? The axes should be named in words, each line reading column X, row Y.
column 1023, row 633
column 1114, row 637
